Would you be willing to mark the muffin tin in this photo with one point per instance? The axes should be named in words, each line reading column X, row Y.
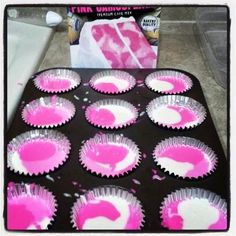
column 148, row 182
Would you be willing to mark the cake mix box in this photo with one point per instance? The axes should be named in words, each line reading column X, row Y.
column 113, row 36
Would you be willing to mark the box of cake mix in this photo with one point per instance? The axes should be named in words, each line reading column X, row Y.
column 113, row 36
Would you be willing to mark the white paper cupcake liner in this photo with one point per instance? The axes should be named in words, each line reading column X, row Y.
column 106, row 191
column 176, row 76
column 18, row 190
column 187, row 142
column 13, row 157
column 120, row 107
column 112, row 139
column 180, row 101
column 52, row 101
column 57, row 75
column 192, row 193
column 121, row 75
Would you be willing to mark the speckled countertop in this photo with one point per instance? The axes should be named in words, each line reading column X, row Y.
column 179, row 48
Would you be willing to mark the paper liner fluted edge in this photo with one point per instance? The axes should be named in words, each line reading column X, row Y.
column 37, row 102
column 191, row 142
column 42, row 134
column 155, row 74
column 130, row 79
column 41, row 190
column 112, row 138
column 108, row 190
column 74, row 76
column 170, row 100
column 188, row 193
column 113, row 101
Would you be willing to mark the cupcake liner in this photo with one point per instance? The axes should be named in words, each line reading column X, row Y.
column 170, row 82
column 112, row 82
column 110, row 146
column 57, row 80
column 171, row 218
column 199, row 168
column 47, row 118
column 106, row 193
column 169, row 106
column 36, row 200
column 26, row 152
column 111, row 114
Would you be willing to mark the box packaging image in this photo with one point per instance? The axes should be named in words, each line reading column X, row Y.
column 113, row 37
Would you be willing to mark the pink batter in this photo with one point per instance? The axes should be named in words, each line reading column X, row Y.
column 107, row 87
column 92, row 210
column 53, row 84
column 50, row 115
column 100, row 116
column 221, row 223
column 41, row 155
column 187, row 154
column 170, row 217
column 27, row 211
column 109, row 155
column 113, row 47
column 134, row 219
column 173, row 221
column 178, row 84
column 186, row 116
column 108, row 210
column 138, row 44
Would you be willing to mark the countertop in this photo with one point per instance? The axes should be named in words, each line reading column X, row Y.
column 179, row 48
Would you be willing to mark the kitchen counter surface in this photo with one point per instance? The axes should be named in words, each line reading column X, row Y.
column 179, row 48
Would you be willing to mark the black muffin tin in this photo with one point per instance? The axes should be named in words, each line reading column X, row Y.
column 63, row 181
